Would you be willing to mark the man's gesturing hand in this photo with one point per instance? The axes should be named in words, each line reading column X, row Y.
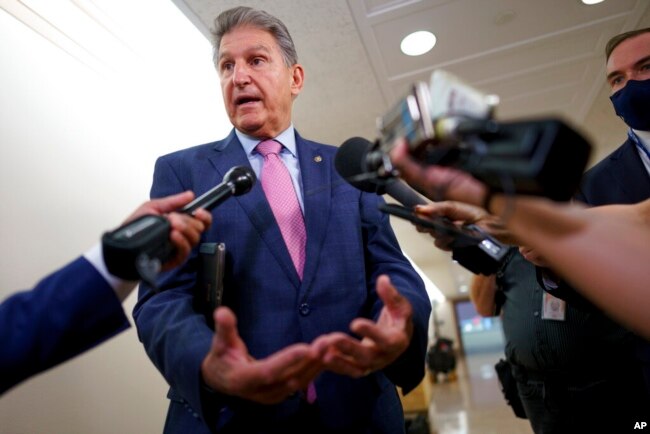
column 229, row 368
column 382, row 341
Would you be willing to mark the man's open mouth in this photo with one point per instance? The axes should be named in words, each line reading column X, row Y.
column 245, row 100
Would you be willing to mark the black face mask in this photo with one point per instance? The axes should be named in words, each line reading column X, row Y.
column 632, row 103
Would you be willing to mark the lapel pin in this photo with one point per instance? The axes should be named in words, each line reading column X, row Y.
column 318, row 158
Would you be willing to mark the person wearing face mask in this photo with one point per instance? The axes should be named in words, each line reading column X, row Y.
column 623, row 177
column 576, row 369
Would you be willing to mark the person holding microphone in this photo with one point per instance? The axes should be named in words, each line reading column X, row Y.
column 79, row 306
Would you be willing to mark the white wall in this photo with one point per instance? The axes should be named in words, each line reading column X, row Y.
column 77, row 149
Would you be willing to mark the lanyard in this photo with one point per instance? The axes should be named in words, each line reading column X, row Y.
column 638, row 143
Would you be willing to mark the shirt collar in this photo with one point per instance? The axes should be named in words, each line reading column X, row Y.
column 644, row 137
column 286, row 137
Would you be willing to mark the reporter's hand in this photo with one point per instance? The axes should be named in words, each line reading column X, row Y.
column 185, row 229
column 382, row 341
column 229, row 368
column 459, row 213
column 533, row 256
column 462, row 214
column 437, row 182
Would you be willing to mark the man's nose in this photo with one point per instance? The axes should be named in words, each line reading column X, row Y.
column 241, row 75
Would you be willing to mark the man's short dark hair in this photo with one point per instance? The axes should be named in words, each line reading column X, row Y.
column 616, row 40
column 246, row 16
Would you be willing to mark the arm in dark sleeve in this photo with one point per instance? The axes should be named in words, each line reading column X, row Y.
column 67, row 313
column 384, row 256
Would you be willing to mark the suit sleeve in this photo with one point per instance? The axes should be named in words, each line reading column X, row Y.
column 384, row 256
column 175, row 336
column 67, row 313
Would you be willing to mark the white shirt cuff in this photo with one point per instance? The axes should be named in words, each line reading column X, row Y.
column 121, row 287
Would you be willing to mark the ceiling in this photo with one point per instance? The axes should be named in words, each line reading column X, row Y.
column 541, row 57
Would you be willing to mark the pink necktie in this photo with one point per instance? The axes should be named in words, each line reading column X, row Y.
column 279, row 191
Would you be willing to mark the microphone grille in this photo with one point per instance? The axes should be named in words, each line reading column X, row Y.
column 242, row 177
column 350, row 162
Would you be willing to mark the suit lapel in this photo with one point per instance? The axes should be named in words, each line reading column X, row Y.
column 632, row 176
column 316, row 181
column 229, row 153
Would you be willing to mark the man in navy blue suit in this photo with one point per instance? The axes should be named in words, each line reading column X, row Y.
column 79, row 306
column 299, row 347
column 624, row 175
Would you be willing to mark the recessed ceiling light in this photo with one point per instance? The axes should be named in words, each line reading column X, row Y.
column 418, row 43
column 592, row 2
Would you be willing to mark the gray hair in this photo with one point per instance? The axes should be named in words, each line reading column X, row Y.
column 246, row 16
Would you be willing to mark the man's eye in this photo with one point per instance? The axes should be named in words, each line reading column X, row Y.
column 226, row 66
column 257, row 61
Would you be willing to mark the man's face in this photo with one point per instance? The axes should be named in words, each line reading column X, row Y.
column 630, row 60
column 258, row 88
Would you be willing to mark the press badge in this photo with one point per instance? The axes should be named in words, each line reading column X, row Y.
column 553, row 308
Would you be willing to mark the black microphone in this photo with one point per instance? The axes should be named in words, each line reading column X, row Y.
column 354, row 161
column 236, row 181
column 472, row 247
column 351, row 163
column 137, row 250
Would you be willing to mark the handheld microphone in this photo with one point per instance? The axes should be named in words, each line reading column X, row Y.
column 137, row 250
column 353, row 161
column 471, row 246
column 237, row 181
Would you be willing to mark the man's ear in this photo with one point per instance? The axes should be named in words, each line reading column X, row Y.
column 297, row 79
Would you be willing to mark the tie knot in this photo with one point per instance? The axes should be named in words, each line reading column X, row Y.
column 268, row 147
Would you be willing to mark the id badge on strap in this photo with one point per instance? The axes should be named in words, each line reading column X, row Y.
column 553, row 308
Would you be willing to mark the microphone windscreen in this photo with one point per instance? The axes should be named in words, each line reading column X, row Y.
column 243, row 178
column 350, row 162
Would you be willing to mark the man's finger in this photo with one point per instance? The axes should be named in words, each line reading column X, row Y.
column 184, row 226
column 226, row 335
column 182, row 246
column 302, row 378
column 172, row 203
column 203, row 216
column 354, row 349
column 286, row 363
column 372, row 331
column 344, row 365
column 396, row 304
column 331, row 345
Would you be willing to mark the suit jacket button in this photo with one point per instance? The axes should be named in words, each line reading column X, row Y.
column 304, row 309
